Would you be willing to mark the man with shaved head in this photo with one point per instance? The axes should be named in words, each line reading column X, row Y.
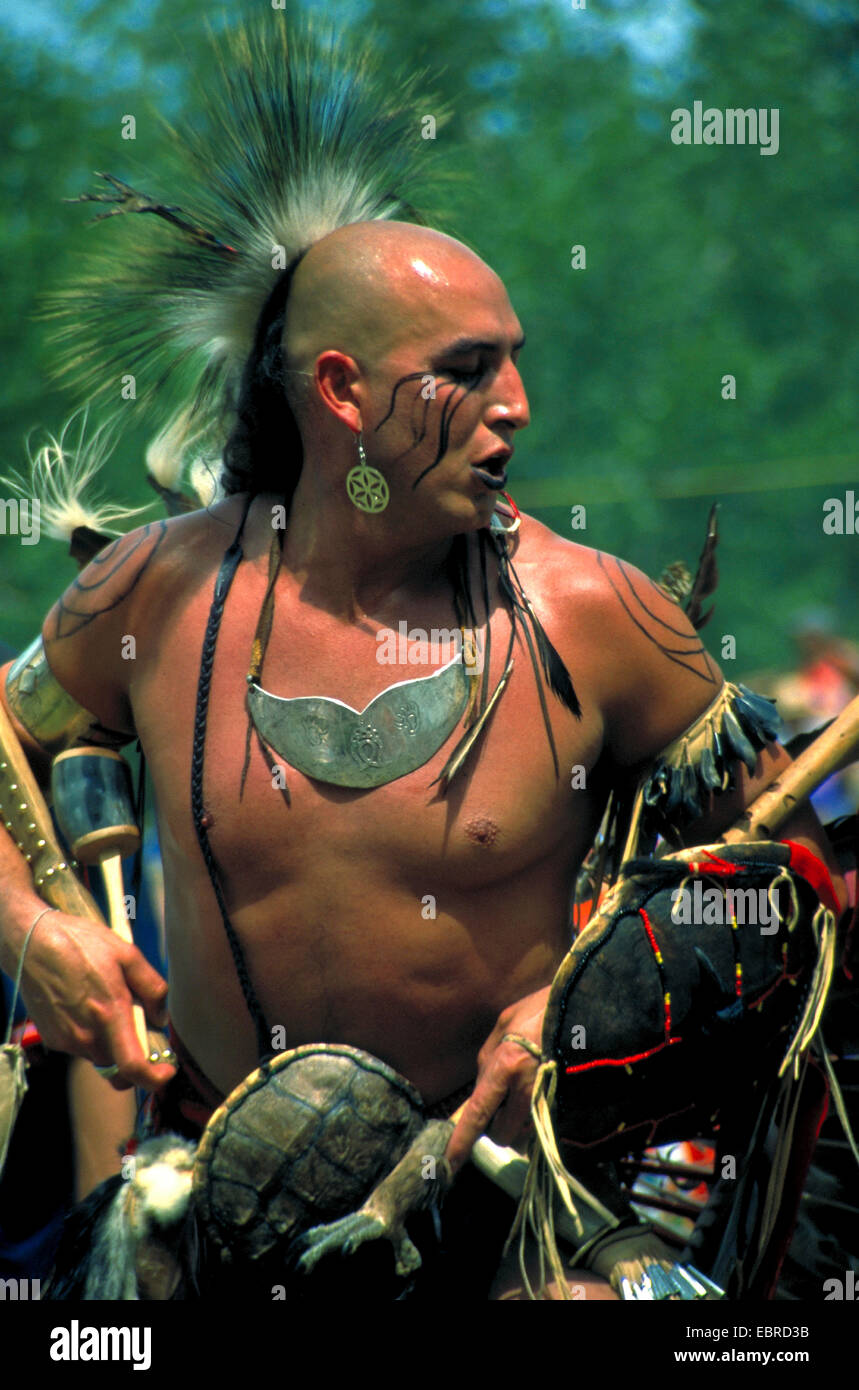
column 422, row 927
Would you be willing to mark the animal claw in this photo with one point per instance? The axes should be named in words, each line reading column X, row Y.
column 346, row 1235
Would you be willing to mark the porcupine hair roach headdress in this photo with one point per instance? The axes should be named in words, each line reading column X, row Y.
column 299, row 136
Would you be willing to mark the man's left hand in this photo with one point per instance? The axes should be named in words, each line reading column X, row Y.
column 500, row 1104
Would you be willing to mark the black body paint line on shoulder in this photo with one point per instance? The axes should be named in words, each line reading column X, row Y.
column 683, row 648
column 125, row 560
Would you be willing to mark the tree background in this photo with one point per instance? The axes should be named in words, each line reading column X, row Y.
column 701, row 261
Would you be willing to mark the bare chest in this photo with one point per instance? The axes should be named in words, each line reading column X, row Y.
column 514, row 804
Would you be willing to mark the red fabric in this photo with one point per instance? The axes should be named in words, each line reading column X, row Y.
column 712, row 864
column 27, row 1034
column 803, row 862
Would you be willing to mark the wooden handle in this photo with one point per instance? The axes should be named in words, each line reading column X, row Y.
column 27, row 818
column 111, row 868
column 831, row 751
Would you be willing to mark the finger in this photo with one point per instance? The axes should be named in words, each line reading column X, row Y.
column 147, row 986
column 134, row 1066
column 155, row 1077
column 511, row 1122
column 477, row 1113
column 149, row 1077
column 520, row 1067
column 119, row 1083
column 506, row 1023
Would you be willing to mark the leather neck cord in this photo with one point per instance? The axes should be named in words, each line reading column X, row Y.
column 226, row 575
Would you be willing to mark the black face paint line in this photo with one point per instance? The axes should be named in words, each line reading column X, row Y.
column 458, row 393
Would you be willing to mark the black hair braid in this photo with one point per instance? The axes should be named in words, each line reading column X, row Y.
column 264, row 452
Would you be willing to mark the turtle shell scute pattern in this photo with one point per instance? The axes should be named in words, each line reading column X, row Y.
column 301, row 1141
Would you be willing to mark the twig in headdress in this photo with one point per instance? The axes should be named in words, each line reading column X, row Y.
column 127, row 199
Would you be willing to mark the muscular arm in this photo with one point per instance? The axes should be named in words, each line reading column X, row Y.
column 80, row 980
column 676, row 681
column 653, row 679
column 91, row 632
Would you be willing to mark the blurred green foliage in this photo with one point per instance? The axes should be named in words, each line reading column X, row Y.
column 701, row 261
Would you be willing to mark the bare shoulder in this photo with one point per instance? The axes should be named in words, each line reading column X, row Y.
column 562, row 570
column 576, row 584
column 647, row 666
column 114, row 600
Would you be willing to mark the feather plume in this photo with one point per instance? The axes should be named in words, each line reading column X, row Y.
column 298, row 135
column 465, row 745
column 171, row 474
column 707, row 574
column 165, row 455
column 557, row 676
column 61, row 474
column 556, row 673
column 204, row 475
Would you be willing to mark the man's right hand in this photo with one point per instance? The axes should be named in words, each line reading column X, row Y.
column 79, row 983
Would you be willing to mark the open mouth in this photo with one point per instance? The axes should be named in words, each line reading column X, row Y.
column 492, row 472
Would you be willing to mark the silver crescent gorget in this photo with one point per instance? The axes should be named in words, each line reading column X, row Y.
column 394, row 734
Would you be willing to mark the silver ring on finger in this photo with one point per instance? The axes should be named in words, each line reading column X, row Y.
column 108, row 1072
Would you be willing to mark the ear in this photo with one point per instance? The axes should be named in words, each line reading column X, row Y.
column 337, row 380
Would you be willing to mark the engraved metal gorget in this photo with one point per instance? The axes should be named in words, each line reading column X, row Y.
column 394, row 734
